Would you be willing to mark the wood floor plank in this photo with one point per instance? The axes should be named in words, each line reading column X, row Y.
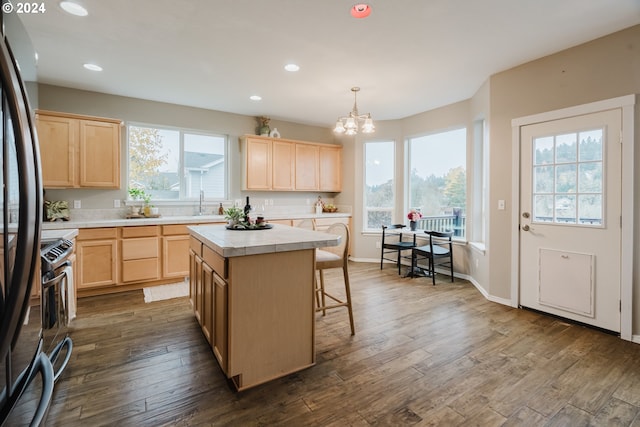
column 422, row 355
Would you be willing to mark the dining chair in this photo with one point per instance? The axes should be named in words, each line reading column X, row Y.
column 438, row 251
column 307, row 224
column 396, row 245
column 334, row 257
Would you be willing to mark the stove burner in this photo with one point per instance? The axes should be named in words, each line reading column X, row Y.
column 54, row 253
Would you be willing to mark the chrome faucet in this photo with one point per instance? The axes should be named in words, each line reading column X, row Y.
column 200, row 210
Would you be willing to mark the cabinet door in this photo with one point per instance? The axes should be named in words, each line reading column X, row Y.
column 258, row 164
column 57, row 137
column 331, row 169
column 220, row 321
column 283, row 165
column 307, row 167
column 197, row 307
column 175, row 256
column 99, row 154
column 207, row 302
column 192, row 278
column 96, row 261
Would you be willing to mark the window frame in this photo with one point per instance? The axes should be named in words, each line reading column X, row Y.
column 468, row 210
column 366, row 209
column 181, row 166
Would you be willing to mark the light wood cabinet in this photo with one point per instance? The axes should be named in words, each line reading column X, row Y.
column 220, row 317
column 206, row 316
column 209, row 296
column 272, row 164
column 78, row 151
column 283, row 161
column 258, row 165
column 96, row 251
column 307, row 167
column 330, row 168
column 175, row 251
column 140, row 248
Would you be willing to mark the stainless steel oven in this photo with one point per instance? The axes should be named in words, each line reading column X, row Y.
column 56, row 301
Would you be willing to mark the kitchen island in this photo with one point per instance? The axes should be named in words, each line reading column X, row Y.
column 253, row 295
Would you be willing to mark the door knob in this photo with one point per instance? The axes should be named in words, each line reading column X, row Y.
column 525, row 227
column 525, row 214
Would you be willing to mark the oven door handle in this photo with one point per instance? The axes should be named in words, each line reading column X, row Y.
column 50, row 282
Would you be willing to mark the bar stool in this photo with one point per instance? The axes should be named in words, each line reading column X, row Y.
column 334, row 257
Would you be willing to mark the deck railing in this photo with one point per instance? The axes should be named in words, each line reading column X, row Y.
column 456, row 223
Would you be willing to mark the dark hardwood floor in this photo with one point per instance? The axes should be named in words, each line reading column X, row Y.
column 422, row 355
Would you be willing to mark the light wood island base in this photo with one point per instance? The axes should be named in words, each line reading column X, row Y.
column 256, row 309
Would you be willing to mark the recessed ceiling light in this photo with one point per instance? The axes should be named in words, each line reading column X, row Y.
column 255, row 98
column 93, row 67
column 360, row 10
column 292, row 67
column 73, row 8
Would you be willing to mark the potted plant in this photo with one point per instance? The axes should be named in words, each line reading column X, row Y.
column 234, row 215
column 146, row 197
column 414, row 215
column 136, row 193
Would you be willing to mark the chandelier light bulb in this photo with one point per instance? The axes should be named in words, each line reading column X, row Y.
column 349, row 124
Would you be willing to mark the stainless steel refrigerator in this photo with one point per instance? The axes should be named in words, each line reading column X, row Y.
column 22, row 362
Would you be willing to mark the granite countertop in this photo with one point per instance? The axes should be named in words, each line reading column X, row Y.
column 67, row 233
column 167, row 220
column 280, row 238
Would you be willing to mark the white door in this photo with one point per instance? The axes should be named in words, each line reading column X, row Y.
column 570, row 218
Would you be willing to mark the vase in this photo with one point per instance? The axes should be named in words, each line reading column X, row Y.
column 413, row 225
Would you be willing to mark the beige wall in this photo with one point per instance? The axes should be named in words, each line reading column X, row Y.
column 605, row 68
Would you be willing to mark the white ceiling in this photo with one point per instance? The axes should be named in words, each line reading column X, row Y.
column 408, row 56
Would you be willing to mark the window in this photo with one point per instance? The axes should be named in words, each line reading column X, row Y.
column 437, row 180
column 174, row 164
column 480, row 169
column 567, row 178
column 379, row 200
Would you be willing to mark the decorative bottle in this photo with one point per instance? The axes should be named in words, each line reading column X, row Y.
column 247, row 210
column 220, row 210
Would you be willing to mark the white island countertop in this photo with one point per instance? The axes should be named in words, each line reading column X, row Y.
column 280, row 238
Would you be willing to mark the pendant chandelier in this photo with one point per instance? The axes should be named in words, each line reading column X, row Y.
column 349, row 124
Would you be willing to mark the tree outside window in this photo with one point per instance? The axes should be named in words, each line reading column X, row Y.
column 173, row 164
column 438, row 181
column 379, row 200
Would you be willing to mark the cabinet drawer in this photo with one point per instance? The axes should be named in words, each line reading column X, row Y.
column 140, row 231
column 97, row 233
column 195, row 245
column 140, row 269
column 144, row 247
column 215, row 261
column 174, row 229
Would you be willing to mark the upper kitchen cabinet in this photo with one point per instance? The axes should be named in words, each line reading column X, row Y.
column 274, row 164
column 78, row 151
column 330, row 168
column 258, row 165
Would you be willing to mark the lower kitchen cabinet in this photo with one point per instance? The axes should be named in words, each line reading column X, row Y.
column 220, row 316
column 209, row 296
column 175, row 251
column 206, row 316
column 97, row 252
column 140, row 253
